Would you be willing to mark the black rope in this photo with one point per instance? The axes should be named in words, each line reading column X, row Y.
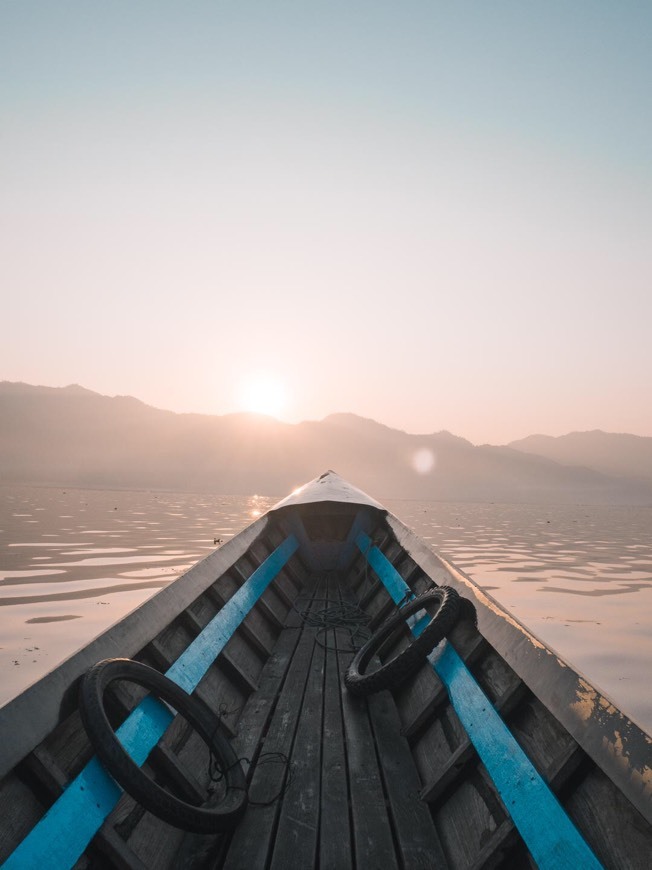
column 217, row 773
column 339, row 616
column 275, row 758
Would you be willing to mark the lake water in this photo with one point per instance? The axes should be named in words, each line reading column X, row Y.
column 72, row 562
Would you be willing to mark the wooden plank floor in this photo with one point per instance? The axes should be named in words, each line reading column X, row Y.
column 332, row 781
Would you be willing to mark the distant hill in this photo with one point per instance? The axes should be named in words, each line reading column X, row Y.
column 611, row 453
column 74, row 437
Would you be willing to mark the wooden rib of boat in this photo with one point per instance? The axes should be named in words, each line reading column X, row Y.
column 495, row 753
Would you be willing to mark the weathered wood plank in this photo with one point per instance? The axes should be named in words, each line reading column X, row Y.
column 252, row 840
column 505, row 841
column 235, row 673
column 175, row 638
column 423, row 697
column 373, row 588
column 335, row 834
column 20, row 809
column 372, row 832
column 203, row 609
column 260, row 706
column 362, row 576
column 43, row 774
column 108, row 849
column 282, row 585
column 610, row 823
column 271, row 610
column 154, row 842
column 540, row 820
column 420, row 701
column 263, row 650
column 540, row 734
column 192, row 846
column 178, row 776
column 269, row 604
column 394, row 553
column 69, row 744
column 274, row 534
column 215, row 690
column 43, row 770
column 295, row 843
column 417, row 840
column 296, row 572
column 200, row 850
column 239, row 655
column 465, row 824
column 432, row 750
column 465, row 752
column 225, row 587
column 225, row 660
column 380, row 608
column 359, row 576
column 498, row 848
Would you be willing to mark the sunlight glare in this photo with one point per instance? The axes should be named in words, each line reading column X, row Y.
column 254, row 510
column 263, row 394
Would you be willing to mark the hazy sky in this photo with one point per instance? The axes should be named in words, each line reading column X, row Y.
column 438, row 215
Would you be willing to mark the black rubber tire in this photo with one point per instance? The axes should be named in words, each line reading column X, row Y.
column 468, row 611
column 408, row 661
column 201, row 819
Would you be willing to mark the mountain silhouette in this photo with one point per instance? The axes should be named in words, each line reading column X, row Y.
column 618, row 454
column 72, row 436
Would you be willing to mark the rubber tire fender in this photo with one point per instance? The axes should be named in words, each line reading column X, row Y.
column 408, row 661
column 117, row 761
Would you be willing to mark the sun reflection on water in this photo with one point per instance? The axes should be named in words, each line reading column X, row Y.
column 105, row 561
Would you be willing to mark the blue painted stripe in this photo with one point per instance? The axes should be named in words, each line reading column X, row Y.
column 549, row 834
column 65, row 830
column 554, row 842
column 193, row 663
column 392, row 580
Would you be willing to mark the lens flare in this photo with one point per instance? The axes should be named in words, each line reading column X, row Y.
column 423, row 460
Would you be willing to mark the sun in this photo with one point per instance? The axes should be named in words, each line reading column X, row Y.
column 263, row 394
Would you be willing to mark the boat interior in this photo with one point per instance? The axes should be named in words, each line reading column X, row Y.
column 391, row 780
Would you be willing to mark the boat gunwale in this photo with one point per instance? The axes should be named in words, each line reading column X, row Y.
column 29, row 717
column 618, row 746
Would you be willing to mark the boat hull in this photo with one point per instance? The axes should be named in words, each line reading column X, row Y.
column 262, row 632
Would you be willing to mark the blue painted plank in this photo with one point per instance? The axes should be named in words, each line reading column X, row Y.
column 551, row 837
column 193, row 663
column 392, row 580
column 65, row 830
column 554, row 842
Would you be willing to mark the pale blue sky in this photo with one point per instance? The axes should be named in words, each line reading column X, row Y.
column 435, row 215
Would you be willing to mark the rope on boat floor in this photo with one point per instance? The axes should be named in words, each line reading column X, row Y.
column 217, row 773
column 335, row 616
column 341, row 615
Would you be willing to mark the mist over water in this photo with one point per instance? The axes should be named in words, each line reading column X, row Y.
column 73, row 562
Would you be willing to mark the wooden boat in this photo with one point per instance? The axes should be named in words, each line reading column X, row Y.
column 493, row 753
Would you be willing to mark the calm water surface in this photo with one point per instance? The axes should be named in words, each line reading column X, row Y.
column 72, row 562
